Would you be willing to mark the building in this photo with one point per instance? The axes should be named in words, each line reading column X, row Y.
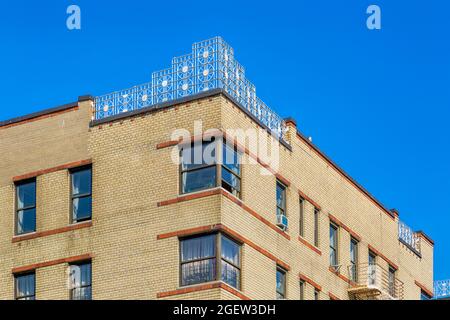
column 94, row 206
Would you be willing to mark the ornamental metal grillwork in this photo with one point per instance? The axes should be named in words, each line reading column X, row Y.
column 442, row 289
column 210, row 65
column 408, row 237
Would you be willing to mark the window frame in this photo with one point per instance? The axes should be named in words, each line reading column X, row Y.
column 354, row 264
column 79, row 196
column 24, row 274
column 284, row 188
column 217, row 257
column 222, row 166
column 281, row 270
column 301, row 226
column 391, row 280
column 302, row 284
column 79, row 263
column 335, row 246
column 316, row 294
column 316, row 227
column 17, row 185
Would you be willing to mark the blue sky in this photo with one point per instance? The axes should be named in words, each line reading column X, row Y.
column 377, row 102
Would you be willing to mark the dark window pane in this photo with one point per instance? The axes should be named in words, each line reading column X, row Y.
column 81, row 182
column 230, row 251
column 198, row 155
column 199, row 179
column 198, row 271
column 198, row 248
column 80, row 281
column 25, row 287
column 82, row 208
column 230, row 274
column 281, row 196
column 26, row 221
column 231, row 159
column 26, row 195
column 83, row 293
column 231, row 180
column 281, row 284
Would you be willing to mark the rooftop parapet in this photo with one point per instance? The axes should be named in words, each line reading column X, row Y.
column 210, row 65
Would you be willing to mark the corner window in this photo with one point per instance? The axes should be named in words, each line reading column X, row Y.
column 231, row 170
column 25, row 286
column 81, row 189
column 26, row 206
column 200, row 261
column 354, row 260
column 281, row 198
column 281, row 283
column 334, row 246
column 81, row 281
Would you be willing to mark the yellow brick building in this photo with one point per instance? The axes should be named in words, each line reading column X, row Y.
column 97, row 208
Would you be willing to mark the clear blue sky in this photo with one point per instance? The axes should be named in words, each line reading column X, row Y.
column 377, row 102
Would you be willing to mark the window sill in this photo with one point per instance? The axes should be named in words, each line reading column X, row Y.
column 34, row 235
column 202, row 287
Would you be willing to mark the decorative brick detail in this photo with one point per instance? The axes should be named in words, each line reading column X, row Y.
column 35, row 266
column 304, row 196
column 35, row 235
column 311, row 282
column 343, row 226
column 54, row 169
column 310, row 246
column 424, row 289
column 382, row 256
column 202, row 287
column 228, row 231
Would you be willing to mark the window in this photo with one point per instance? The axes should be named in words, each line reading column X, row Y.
column 281, row 199
column 26, row 206
column 391, row 281
column 281, row 283
column 199, row 260
column 372, row 271
column 302, row 290
column 354, row 260
column 81, row 189
column 316, row 227
column 301, row 217
column 200, row 170
column 424, row 295
column 81, row 281
column 231, row 170
column 334, row 246
column 316, row 294
column 25, row 285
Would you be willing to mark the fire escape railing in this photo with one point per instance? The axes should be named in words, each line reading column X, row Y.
column 408, row 237
column 371, row 281
column 210, row 65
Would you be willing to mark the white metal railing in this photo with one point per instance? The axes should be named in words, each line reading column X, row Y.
column 373, row 278
column 408, row 237
column 441, row 289
column 210, row 65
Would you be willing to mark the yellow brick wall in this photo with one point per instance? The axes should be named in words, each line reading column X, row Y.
column 130, row 176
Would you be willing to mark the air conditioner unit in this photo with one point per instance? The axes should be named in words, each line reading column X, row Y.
column 282, row 221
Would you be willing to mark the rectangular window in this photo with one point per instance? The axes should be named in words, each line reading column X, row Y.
column 281, row 283
column 199, row 260
column 334, row 246
column 391, row 281
column 316, row 294
column 81, row 189
column 372, row 268
column 281, row 199
column 424, row 295
column 25, row 286
column 316, row 227
column 26, row 206
column 81, row 281
column 231, row 170
column 301, row 217
column 354, row 260
column 302, row 290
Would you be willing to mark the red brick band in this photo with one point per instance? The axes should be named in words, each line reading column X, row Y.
column 343, row 226
column 52, row 232
column 340, row 275
column 202, row 287
column 382, row 256
column 332, row 296
column 310, row 246
column 52, row 263
column 304, row 196
column 424, row 289
column 54, row 169
column 308, row 280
